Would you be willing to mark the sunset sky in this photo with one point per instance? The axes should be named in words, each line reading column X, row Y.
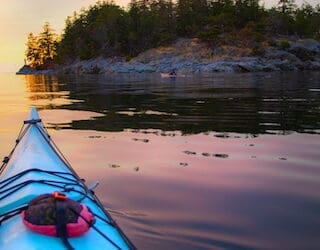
column 20, row 17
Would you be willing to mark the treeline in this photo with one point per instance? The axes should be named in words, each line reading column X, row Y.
column 106, row 29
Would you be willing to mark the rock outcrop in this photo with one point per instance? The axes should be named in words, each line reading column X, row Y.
column 27, row 70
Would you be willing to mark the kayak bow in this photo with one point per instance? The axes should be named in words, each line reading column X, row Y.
column 35, row 167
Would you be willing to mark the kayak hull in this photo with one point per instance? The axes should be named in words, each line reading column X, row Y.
column 36, row 167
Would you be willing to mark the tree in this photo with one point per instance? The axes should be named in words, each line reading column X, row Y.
column 286, row 6
column 32, row 52
column 47, row 42
column 307, row 21
column 41, row 49
column 99, row 30
column 191, row 16
column 247, row 11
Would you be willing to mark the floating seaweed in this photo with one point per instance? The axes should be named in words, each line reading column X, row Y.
column 205, row 154
column 142, row 140
column 282, row 158
column 189, row 152
column 94, row 136
column 221, row 155
column 183, row 164
column 114, row 166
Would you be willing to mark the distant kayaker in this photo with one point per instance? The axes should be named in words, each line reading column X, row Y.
column 173, row 72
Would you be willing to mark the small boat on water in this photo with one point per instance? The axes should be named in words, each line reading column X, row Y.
column 44, row 204
column 172, row 74
column 168, row 75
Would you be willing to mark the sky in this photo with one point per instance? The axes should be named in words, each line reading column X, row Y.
column 20, row 17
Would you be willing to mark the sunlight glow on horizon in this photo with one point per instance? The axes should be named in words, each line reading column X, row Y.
column 19, row 18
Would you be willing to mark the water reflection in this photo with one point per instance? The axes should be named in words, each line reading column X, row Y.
column 235, row 185
column 243, row 103
column 42, row 83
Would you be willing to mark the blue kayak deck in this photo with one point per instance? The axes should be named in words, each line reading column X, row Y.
column 35, row 167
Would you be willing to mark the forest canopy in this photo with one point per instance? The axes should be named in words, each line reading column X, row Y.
column 105, row 29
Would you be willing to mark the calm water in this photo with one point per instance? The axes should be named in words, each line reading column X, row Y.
column 222, row 162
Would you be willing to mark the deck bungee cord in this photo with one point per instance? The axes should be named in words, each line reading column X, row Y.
column 65, row 183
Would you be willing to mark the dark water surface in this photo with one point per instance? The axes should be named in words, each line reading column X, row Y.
column 211, row 162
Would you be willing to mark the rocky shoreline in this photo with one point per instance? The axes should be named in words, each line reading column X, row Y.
column 189, row 56
column 27, row 70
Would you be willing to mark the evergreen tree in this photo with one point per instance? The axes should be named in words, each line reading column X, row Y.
column 32, row 52
column 307, row 21
column 41, row 49
column 192, row 15
column 247, row 11
column 286, row 6
column 47, row 42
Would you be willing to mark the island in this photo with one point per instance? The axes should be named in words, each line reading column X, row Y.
column 189, row 36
